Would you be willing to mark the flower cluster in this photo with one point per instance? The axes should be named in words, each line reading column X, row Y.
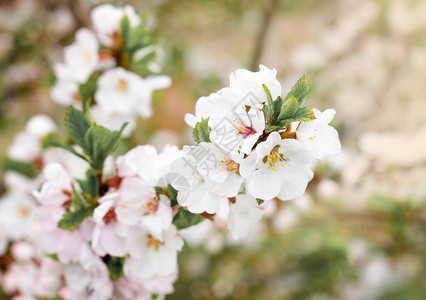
column 253, row 146
column 128, row 236
column 120, row 56
column 86, row 225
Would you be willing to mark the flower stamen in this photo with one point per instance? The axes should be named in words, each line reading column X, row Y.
column 229, row 165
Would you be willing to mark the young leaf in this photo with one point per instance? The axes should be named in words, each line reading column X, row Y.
column 100, row 142
column 23, row 167
column 90, row 186
column 79, row 202
column 115, row 267
column 269, row 109
column 291, row 112
column 301, row 90
column 53, row 256
column 142, row 66
column 72, row 220
column 87, row 90
column 172, row 193
column 70, row 149
column 125, row 31
column 185, row 218
column 201, row 131
column 301, row 115
column 140, row 37
column 76, row 125
column 50, row 139
column 288, row 108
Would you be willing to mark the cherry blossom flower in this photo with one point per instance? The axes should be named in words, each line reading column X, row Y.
column 244, row 213
column 139, row 205
column 201, row 197
column 319, row 137
column 106, row 21
column 126, row 93
column 150, row 256
column 80, row 58
column 26, row 145
column 57, row 188
column 277, row 168
column 145, row 162
column 17, row 212
column 109, row 235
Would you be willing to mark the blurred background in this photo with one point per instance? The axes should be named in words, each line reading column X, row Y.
column 360, row 231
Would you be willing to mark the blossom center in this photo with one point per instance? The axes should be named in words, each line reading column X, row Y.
column 110, row 216
column 243, row 129
column 229, row 165
column 153, row 242
column 275, row 159
column 23, row 212
column 87, row 57
column 151, row 206
column 122, row 85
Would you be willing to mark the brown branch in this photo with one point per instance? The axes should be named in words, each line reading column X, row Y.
column 268, row 12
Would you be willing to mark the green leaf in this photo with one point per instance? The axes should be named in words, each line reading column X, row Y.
column 76, row 125
column 270, row 128
column 159, row 190
column 125, row 31
column 79, row 202
column 142, row 66
column 259, row 201
column 291, row 112
column 269, row 110
column 53, row 256
column 90, row 186
column 301, row 90
column 185, row 218
column 280, row 113
column 70, row 149
column 115, row 267
column 87, row 90
column 72, row 220
column 22, row 167
column 172, row 193
column 50, row 139
column 140, row 37
column 100, row 142
column 201, row 131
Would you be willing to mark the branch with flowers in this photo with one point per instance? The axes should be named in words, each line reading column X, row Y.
column 100, row 227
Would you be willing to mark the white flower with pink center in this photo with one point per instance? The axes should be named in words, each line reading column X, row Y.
column 139, row 205
column 239, row 130
column 109, row 235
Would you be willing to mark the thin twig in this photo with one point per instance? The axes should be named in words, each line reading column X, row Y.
column 268, row 12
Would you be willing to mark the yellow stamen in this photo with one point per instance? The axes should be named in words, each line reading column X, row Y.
column 122, row 85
